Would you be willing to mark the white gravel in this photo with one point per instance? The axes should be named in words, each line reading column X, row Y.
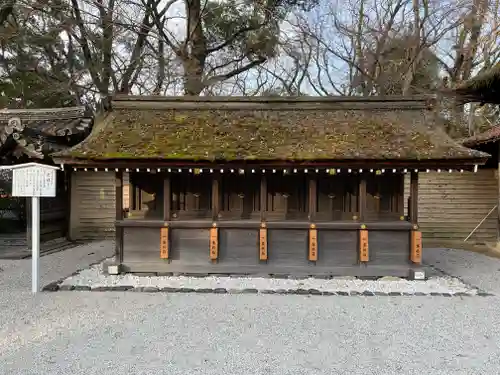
column 87, row 333
column 94, row 277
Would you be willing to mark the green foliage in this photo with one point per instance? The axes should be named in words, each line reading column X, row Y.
column 33, row 90
column 252, row 26
column 35, row 64
column 393, row 63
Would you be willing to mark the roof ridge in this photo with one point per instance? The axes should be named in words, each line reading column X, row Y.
column 280, row 103
column 332, row 98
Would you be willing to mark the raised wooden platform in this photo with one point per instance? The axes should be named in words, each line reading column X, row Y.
column 297, row 248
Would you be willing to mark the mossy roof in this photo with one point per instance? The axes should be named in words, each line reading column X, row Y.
column 219, row 132
column 484, row 88
column 490, row 135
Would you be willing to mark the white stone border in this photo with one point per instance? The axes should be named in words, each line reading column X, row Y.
column 95, row 279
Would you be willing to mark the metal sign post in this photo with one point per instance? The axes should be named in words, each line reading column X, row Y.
column 35, row 181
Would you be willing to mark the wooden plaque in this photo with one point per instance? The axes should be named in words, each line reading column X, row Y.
column 364, row 255
column 313, row 245
column 263, row 244
column 416, row 247
column 164, row 243
column 214, row 244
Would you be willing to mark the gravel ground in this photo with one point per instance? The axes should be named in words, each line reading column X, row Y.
column 138, row 333
column 475, row 269
column 94, row 277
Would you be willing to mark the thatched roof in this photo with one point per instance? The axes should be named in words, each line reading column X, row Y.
column 269, row 129
column 483, row 88
column 35, row 133
column 490, row 135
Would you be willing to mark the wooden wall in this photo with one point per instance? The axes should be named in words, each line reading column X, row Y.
column 92, row 205
column 452, row 204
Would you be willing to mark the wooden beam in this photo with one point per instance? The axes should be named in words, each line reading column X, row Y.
column 313, row 243
column 263, row 242
column 313, row 197
column 343, row 164
column 364, row 255
column 167, row 197
column 396, row 225
column 164, row 243
column 214, row 243
column 416, row 247
column 215, row 197
column 263, row 197
column 413, row 198
column 362, row 198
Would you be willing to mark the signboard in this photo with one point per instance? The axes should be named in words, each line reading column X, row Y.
column 34, row 181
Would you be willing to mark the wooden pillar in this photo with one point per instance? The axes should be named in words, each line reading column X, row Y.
column 167, row 197
column 119, row 195
column 413, row 206
column 119, row 215
column 164, row 243
column 263, row 242
column 263, row 228
column 164, row 231
column 214, row 231
column 214, row 243
column 416, row 235
column 67, row 190
column 364, row 255
column 313, row 198
column 263, row 198
column 401, row 197
column 416, row 246
column 76, row 206
column 215, row 197
column 362, row 198
column 312, row 208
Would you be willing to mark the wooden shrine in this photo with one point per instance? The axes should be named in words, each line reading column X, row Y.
column 301, row 186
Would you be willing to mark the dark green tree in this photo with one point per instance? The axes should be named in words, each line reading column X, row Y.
column 224, row 39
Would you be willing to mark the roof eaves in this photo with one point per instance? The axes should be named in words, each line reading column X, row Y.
column 490, row 135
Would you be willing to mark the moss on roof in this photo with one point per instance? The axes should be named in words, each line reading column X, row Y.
column 490, row 135
column 269, row 134
column 485, row 87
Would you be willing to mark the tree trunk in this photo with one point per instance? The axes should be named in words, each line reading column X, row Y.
column 194, row 50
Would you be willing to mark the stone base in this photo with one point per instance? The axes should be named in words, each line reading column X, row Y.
column 112, row 269
column 417, row 274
